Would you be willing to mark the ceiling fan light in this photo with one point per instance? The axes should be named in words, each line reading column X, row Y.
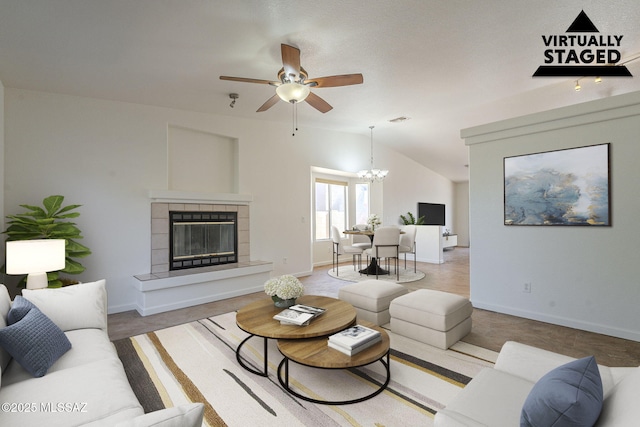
column 293, row 92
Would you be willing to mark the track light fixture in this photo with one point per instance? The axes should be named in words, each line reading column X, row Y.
column 233, row 97
column 598, row 79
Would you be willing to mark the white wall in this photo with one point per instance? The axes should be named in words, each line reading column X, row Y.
column 461, row 214
column 580, row 277
column 201, row 161
column 107, row 156
column 409, row 183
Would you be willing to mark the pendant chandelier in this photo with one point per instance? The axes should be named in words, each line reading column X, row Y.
column 372, row 174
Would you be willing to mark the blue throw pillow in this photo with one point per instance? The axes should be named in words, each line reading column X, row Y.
column 35, row 342
column 570, row 395
column 19, row 308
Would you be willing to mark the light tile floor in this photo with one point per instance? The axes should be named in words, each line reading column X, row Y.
column 490, row 330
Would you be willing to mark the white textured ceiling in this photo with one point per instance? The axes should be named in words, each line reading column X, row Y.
column 446, row 65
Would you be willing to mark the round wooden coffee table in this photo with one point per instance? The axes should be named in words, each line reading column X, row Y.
column 316, row 353
column 257, row 320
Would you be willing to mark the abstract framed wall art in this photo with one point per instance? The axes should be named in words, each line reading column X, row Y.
column 562, row 187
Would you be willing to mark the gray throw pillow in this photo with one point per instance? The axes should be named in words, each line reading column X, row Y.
column 569, row 395
column 35, row 342
column 19, row 309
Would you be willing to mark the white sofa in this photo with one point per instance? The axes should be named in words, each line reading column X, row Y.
column 495, row 396
column 87, row 385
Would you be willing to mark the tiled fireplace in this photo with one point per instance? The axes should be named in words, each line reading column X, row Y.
column 165, row 289
column 160, row 230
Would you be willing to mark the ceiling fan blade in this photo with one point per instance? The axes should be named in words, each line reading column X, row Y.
column 318, row 103
column 334, row 81
column 245, row 80
column 291, row 60
column 270, row 103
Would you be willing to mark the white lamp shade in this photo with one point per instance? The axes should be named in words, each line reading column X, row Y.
column 293, row 92
column 35, row 256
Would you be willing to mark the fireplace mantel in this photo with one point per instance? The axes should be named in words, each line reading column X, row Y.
column 176, row 196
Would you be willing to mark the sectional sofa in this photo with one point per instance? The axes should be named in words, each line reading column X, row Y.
column 60, row 369
column 529, row 386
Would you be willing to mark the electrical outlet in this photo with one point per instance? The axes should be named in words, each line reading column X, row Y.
column 526, row 288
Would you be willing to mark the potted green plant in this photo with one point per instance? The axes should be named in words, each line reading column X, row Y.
column 410, row 219
column 50, row 222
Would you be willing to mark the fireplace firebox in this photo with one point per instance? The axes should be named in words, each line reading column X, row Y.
column 201, row 239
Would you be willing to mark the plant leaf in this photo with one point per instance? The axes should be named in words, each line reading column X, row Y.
column 65, row 231
column 76, row 250
column 68, row 208
column 72, row 267
column 69, row 215
column 55, row 284
column 52, row 204
column 36, row 210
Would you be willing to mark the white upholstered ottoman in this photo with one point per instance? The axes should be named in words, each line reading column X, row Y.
column 371, row 298
column 436, row 318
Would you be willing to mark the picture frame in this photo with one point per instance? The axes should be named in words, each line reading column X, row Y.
column 567, row 187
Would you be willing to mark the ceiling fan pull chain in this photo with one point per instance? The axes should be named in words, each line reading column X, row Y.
column 294, row 118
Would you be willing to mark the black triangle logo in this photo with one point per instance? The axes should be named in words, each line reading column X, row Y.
column 582, row 24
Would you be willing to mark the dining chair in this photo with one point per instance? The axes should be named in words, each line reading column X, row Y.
column 408, row 244
column 360, row 240
column 340, row 249
column 385, row 245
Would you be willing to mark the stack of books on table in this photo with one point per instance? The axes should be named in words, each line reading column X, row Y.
column 354, row 339
column 298, row 314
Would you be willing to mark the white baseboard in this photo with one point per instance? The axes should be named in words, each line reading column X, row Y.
column 562, row 321
column 121, row 308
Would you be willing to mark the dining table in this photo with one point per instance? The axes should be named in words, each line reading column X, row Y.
column 373, row 266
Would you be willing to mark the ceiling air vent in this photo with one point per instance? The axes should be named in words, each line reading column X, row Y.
column 399, row 119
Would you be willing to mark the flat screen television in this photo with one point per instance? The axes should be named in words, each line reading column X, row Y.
column 433, row 213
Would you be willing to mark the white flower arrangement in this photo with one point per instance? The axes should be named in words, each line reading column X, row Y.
column 373, row 221
column 284, row 287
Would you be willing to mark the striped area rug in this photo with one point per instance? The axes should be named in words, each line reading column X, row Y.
column 196, row 362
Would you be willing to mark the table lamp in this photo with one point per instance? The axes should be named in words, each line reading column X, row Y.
column 35, row 258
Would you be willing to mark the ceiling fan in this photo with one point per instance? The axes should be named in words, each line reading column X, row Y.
column 294, row 84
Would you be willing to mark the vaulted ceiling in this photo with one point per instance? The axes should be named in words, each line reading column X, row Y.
column 445, row 65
